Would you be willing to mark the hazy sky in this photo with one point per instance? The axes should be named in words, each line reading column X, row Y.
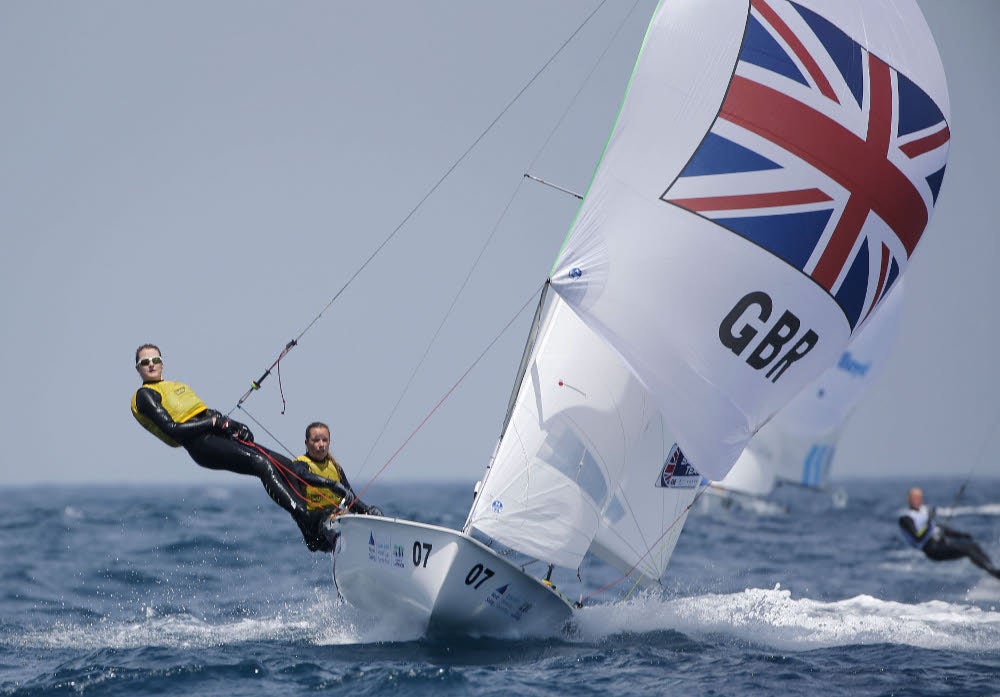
column 206, row 176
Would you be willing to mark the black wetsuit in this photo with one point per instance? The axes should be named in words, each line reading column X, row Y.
column 215, row 449
column 942, row 543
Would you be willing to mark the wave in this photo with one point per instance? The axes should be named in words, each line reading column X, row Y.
column 757, row 616
column 325, row 620
column 774, row 618
column 986, row 509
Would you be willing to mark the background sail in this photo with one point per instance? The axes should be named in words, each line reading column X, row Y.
column 583, row 456
column 772, row 170
column 799, row 443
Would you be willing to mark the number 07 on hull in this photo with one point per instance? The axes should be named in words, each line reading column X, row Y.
column 439, row 580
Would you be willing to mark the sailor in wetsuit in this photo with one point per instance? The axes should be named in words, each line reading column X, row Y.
column 320, row 462
column 172, row 412
column 938, row 541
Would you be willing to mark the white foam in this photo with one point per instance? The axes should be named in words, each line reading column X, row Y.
column 73, row 513
column 987, row 590
column 757, row 616
column 774, row 618
column 324, row 620
column 987, row 509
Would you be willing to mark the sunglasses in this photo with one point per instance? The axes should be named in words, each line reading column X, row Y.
column 155, row 360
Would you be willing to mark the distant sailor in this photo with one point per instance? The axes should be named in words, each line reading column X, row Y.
column 938, row 541
column 172, row 412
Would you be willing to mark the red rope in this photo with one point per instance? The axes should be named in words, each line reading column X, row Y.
column 286, row 472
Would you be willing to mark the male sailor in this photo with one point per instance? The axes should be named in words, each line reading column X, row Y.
column 938, row 541
column 172, row 412
column 320, row 462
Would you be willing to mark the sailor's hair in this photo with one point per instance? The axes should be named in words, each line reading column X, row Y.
column 316, row 424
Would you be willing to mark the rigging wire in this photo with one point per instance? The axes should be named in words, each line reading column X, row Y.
column 975, row 462
column 265, row 430
column 256, row 384
column 510, row 201
column 576, row 95
column 489, row 239
column 447, row 394
column 554, row 186
column 437, row 332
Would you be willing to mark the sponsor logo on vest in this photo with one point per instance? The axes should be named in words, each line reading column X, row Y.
column 750, row 317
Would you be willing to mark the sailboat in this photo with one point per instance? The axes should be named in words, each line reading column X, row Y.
column 772, row 169
column 797, row 446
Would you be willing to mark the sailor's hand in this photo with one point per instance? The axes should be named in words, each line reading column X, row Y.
column 358, row 506
column 243, row 433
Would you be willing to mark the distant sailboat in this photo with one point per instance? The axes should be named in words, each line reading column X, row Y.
column 797, row 446
column 773, row 166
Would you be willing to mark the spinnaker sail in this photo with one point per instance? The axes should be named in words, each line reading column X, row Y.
column 772, row 170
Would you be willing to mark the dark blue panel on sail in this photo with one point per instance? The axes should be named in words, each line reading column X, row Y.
column 851, row 296
column 893, row 275
column 846, row 54
column 792, row 236
column 934, row 181
column 717, row 155
column 917, row 111
column 760, row 48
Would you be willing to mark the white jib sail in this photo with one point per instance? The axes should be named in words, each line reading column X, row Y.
column 583, row 457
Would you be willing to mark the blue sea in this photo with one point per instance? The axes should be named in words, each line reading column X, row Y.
column 210, row 592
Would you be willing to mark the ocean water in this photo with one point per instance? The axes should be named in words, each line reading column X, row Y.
column 210, row 592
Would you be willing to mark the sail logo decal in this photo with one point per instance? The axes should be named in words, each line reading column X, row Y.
column 677, row 472
column 497, row 506
column 849, row 364
column 822, row 154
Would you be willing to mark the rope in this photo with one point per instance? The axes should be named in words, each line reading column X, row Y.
column 437, row 332
column 447, row 394
column 503, row 215
column 576, row 96
column 287, row 472
column 265, row 430
column 975, row 462
column 255, row 384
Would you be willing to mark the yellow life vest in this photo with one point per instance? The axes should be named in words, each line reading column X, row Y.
column 315, row 496
column 177, row 399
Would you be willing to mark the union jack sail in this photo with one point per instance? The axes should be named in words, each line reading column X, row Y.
column 822, row 154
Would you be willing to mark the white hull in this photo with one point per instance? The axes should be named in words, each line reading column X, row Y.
column 439, row 580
